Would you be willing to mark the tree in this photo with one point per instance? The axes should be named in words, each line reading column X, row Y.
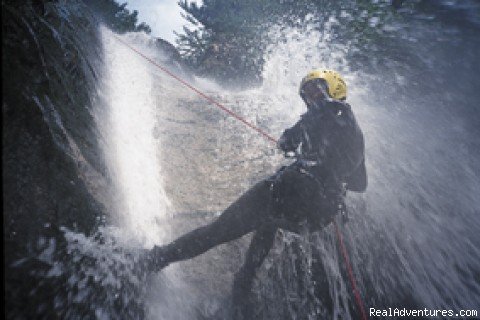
column 229, row 37
column 117, row 16
column 226, row 40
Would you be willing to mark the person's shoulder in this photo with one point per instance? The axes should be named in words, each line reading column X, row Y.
column 308, row 114
column 343, row 113
column 339, row 104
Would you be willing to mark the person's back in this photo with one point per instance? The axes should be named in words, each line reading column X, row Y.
column 328, row 139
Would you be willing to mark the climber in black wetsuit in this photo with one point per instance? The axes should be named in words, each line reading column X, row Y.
column 329, row 149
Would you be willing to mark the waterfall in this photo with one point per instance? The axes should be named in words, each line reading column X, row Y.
column 213, row 159
column 106, row 156
column 159, row 134
column 134, row 154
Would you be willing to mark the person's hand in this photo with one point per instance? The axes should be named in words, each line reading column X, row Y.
column 282, row 143
column 286, row 146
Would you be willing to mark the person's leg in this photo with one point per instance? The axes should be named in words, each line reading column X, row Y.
column 249, row 212
column 261, row 244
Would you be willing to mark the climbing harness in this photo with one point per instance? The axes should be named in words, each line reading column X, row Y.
column 343, row 249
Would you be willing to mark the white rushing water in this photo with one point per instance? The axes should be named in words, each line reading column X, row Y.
column 135, row 152
column 134, row 155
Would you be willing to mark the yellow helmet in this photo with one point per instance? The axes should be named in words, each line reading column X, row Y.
column 336, row 86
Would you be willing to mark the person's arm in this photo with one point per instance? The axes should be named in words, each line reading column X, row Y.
column 345, row 119
column 357, row 181
column 291, row 137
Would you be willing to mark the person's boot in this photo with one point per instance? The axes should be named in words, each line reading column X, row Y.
column 155, row 259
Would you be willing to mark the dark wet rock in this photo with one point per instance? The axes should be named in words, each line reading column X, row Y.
column 173, row 61
column 169, row 49
column 51, row 158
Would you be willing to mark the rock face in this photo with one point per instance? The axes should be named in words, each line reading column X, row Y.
column 55, row 175
column 170, row 51
column 51, row 161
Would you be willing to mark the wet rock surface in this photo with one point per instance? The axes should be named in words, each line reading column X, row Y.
column 208, row 161
column 53, row 170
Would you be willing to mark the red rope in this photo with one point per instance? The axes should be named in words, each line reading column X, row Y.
column 219, row 105
column 343, row 249
column 351, row 276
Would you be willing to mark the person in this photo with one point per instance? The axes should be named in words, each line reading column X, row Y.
column 328, row 146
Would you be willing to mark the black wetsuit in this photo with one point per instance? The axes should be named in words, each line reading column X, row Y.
column 330, row 157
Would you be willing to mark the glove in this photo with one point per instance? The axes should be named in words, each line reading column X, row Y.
column 285, row 144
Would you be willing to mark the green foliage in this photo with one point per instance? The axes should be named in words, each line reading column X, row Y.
column 117, row 16
column 229, row 36
column 226, row 39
